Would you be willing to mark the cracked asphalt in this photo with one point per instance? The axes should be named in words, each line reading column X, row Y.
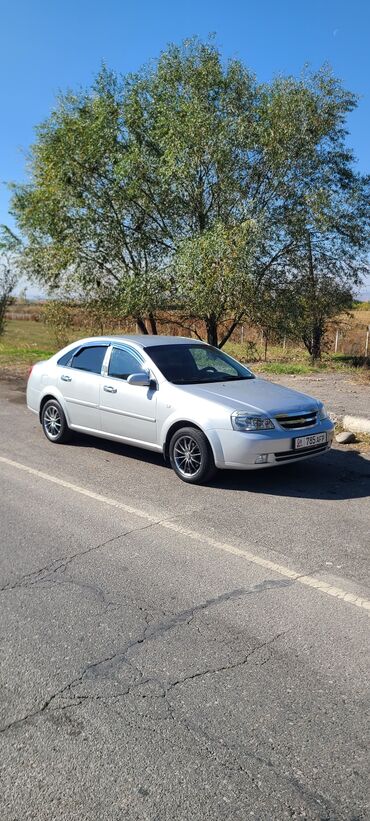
column 146, row 674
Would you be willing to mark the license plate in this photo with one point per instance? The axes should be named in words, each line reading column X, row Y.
column 310, row 441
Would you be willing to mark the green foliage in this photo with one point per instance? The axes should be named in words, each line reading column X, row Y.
column 302, row 307
column 288, row 368
column 59, row 317
column 191, row 184
column 212, row 276
column 8, row 271
column 6, row 286
column 360, row 306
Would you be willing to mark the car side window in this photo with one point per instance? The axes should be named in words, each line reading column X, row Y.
column 90, row 358
column 123, row 363
column 66, row 359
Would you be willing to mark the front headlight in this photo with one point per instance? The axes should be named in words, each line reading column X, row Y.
column 249, row 422
column 323, row 414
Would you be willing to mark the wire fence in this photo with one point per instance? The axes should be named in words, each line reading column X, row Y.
column 349, row 336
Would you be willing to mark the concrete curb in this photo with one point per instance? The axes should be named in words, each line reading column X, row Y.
column 356, row 424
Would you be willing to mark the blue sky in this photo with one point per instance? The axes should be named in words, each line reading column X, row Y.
column 51, row 45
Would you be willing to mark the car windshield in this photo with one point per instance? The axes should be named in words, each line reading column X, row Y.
column 195, row 364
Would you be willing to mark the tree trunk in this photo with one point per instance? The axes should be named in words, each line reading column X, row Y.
column 212, row 330
column 316, row 343
column 317, row 329
column 152, row 322
column 231, row 329
column 141, row 325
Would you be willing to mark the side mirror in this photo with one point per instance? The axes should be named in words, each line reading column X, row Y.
column 144, row 379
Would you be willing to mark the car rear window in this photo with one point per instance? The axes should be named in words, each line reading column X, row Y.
column 89, row 358
column 67, row 357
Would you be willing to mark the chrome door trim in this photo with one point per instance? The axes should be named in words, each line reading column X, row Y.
column 80, row 402
column 119, row 412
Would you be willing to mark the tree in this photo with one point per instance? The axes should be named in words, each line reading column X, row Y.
column 330, row 254
column 214, row 149
column 212, row 278
column 183, row 185
column 9, row 245
column 81, row 226
column 313, row 302
column 330, row 231
column 58, row 315
column 271, row 310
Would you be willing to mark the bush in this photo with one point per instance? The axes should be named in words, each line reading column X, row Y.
column 59, row 317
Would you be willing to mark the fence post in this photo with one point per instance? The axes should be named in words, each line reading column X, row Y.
column 367, row 342
column 242, row 334
column 336, row 341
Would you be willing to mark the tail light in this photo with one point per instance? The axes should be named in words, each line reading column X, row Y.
column 30, row 370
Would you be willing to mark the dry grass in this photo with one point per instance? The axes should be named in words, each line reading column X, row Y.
column 361, row 445
column 26, row 342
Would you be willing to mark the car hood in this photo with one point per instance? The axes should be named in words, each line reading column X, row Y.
column 254, row 394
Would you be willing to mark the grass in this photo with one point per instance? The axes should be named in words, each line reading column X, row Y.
column 23, row 344
column 26, row 342
column 295, row 360
column 286, row 368
column 361, row 443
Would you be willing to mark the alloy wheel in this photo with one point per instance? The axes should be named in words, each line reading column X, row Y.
column 187, row 456
column 52, row 421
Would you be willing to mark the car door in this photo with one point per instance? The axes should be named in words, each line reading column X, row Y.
column 127, row 411
column 79, row 383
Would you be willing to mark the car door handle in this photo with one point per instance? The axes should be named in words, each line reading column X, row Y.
column 66, row 378
column 109, row 389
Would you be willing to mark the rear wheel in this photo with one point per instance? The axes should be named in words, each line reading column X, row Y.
column 191, row 456
column 54, row 423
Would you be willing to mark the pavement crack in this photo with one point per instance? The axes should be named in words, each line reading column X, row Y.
column 215, row 747
column 103, row 666
column 48, row 572
column 232, row 666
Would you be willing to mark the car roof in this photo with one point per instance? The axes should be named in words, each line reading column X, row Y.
column 148, row 340
column 143, row 340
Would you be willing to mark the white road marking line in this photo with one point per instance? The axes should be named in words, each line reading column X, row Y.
column 83, row 491
column 306, row 581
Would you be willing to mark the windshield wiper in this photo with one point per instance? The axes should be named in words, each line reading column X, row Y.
column 236, row 378
column 209, row 381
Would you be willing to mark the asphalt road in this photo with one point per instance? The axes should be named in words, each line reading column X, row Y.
column 173, row 652
column 341, row 393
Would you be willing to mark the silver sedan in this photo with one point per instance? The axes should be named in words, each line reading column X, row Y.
column 195, row 404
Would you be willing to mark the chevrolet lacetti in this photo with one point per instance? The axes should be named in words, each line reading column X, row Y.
column 195, row 404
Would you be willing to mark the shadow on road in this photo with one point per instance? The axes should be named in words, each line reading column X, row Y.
column 336, row 475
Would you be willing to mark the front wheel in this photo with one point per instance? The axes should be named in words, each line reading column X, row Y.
column 54, row 423
column 191, row 456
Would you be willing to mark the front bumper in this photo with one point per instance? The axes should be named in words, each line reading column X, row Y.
column 239, row 449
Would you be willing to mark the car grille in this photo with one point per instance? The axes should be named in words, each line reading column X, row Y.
column 297, row 420
column 287, row 455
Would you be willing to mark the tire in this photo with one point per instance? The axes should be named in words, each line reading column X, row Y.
column 191, row 456
column 54, row 423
